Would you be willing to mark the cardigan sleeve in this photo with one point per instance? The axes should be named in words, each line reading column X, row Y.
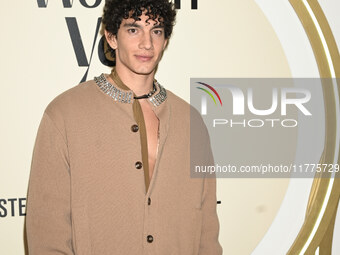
column 48, row 219
column 209, row 244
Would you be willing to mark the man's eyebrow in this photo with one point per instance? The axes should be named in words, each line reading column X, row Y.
column 132, row 25
column 158, row 26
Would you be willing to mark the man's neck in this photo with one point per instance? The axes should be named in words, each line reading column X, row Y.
column 139, row 84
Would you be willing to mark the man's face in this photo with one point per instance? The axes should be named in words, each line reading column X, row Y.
column 139, row 45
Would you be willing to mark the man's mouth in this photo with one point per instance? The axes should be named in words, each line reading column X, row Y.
column 143, row 58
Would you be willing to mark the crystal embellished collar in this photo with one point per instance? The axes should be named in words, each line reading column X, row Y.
column 126, row 96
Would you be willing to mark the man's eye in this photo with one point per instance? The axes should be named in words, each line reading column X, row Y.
column 158, row 32
column 132, row 30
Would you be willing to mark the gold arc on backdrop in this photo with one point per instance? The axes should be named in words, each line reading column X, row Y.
column 316, row 233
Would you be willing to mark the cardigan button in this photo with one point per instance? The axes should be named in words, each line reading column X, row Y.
column 149, row 201
column 138, row 165
column 149, row 238
column 134, row 128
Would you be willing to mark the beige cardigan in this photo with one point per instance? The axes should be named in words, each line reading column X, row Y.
column 86, row 195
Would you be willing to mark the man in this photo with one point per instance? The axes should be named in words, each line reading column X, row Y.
column 110, row 171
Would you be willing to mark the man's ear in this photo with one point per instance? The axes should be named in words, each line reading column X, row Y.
column 165, row 43
column 111, row 39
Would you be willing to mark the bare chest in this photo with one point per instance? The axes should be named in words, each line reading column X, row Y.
column 151, row 125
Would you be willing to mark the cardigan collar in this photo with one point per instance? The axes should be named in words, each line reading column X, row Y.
column 126, row 95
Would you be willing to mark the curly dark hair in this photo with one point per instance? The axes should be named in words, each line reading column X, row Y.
column 161, row 11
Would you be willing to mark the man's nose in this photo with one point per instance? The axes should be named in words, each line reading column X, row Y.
column 146, row 41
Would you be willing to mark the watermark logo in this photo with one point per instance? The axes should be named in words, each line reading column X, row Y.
column 252, row 103
column 265, row 128
column 257, row 127
column 204, row 98
column 302, row 96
